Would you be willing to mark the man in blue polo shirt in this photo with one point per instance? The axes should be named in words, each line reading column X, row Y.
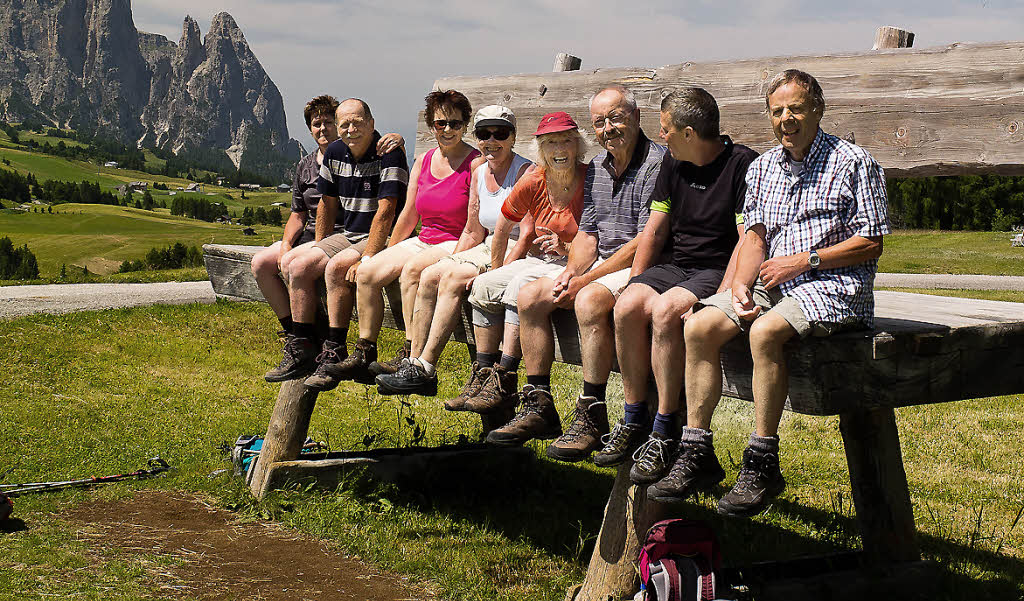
column 362, row 191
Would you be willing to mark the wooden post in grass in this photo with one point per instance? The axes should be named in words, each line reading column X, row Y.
column 286, row 433
column 566, row 62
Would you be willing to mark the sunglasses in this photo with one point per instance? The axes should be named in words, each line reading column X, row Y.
column 500, row 134
column 440, row 124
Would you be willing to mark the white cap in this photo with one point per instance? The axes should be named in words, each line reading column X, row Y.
column 495, row 114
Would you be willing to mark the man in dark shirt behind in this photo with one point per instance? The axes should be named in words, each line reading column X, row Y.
column 686, row 249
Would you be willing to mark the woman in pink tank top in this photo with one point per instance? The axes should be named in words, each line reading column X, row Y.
column 437, row 200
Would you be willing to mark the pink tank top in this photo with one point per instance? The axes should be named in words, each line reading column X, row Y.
column 443, row 203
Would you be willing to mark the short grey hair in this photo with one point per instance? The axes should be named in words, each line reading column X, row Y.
column 693, row 107
column 804, row 80
column 581, row 147
column 628, row 95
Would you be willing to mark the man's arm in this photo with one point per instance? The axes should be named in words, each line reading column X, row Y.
column 853, row 250
column 650, row 242
column 730, row 269
column 748, row 264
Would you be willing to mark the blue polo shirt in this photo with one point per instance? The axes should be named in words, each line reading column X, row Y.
column 360, row 184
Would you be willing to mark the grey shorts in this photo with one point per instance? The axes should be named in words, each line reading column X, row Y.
column 335, row 243
column 785, row 307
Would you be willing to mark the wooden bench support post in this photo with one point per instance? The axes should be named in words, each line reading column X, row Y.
column 286, row 433
column 611, row 573
column 879, row 483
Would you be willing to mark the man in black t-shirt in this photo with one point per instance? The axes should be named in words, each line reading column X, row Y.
column 686, row 249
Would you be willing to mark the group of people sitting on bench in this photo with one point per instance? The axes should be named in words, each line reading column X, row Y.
column 664, row 253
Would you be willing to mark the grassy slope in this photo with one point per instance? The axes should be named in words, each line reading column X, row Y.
column 100, row 392
column 101, row 236
column 916, row 251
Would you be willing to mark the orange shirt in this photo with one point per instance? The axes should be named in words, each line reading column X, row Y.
column 530, row 195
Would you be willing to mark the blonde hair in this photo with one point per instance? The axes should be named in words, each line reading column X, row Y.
column 581, row 147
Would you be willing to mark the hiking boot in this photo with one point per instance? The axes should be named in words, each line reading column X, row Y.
column 352, row 367
column 589, row 424
column 299, row 360
column 327, row 361
column 494, row 420
column 499, row 390
column 695, row 469
column 411, row 378
column 377, row 368
column 759, row 482
column 652, row 459
column 537, row 418
column 621, row 443
column 477, row 377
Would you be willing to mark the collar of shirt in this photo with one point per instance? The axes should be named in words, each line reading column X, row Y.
column 643, row 146
column 812, row 153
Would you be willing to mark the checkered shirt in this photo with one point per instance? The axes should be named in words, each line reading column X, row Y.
column 840, row 193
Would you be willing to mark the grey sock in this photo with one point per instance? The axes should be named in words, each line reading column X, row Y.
column 764, row 444
column 697, row 436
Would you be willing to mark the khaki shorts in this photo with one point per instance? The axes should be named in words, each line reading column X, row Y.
column 615, row 281
column 773, row 300
column 335, row 243
column 416, row 245
column 479, row 256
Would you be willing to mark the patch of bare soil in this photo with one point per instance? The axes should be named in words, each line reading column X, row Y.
column 217, row 558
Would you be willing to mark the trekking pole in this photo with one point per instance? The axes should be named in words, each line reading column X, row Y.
column 153, row 467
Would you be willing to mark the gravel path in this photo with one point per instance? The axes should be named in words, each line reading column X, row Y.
column 66, row 298
column 16, row 301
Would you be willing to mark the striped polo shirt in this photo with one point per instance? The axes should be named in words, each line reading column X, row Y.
column 615, row 209
column 360, row 184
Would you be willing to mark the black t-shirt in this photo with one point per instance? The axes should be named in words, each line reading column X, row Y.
column 704, row 202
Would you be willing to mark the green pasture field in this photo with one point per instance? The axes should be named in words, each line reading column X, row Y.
column 102, row 236
column 100, row 392
column 935, row 251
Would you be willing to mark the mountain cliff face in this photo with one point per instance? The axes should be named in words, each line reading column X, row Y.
column 82, row 64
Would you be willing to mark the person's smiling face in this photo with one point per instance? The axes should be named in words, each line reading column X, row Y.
column 354, row 127
column 615, row 126
column 795, row 118
column 559, row 149
column 448, row 136
column 323, row 129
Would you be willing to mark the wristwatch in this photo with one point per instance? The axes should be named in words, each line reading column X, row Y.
column 814, row 260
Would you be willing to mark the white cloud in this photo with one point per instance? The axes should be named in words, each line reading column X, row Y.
column 390, row 53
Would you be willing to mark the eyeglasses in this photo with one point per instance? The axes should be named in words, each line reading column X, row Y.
column 501, row 134
column 615, row 119
column 440, row 124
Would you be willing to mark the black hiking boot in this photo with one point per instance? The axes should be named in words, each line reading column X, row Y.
column 589, row 423
column 696, row 469
column 652, row 459
column 411, row 378
column 477, row 377
column 759, row 482
column 352, row 367
column 299, row 360
column 377, row 368
column 620, row 445
column 537, row 418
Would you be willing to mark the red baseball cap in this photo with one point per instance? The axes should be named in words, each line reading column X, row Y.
column 555, row 122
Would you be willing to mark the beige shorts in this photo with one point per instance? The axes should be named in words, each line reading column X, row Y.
column 335, row 243
column 773, row 300
column 615, row 281
column 416, row 245
column 479, row 256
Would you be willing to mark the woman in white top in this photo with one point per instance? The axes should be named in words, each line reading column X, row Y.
column 444, row 285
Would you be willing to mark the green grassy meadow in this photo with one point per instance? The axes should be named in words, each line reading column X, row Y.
column 101, row 236
column 933, row 251
column 100, row 392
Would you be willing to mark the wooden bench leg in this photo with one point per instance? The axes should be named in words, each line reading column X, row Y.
column 289, row 425
column 879, row 483
column 627, row 516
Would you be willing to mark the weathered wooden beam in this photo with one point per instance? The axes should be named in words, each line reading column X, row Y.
column 937, row 111
column 893, row 37
column 286, row 433
column 566, row 62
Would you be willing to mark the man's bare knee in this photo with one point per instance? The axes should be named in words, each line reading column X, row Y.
column 594, row 303
column 536, row 297
column 769, row 333
column 709, row 328
column 632, row 305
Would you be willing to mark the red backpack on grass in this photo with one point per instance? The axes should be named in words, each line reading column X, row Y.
column 678, row 561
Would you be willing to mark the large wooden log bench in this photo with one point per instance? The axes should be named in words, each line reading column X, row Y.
column 923, row 349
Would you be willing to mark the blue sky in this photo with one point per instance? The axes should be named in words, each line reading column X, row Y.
column 390, row 53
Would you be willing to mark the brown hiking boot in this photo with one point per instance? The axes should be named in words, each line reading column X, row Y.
column 477, row 377
column 377, row 368
column 297, row 361
column 353, row 367
column 537, row 418
column 589, row 424
column 495, row 419
column 499, row 390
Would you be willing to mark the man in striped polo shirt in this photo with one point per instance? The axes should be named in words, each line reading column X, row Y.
column 361, row 191
column 617, row 186
column 815, row 214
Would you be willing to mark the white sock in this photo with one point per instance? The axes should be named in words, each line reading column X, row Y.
column 427, row 367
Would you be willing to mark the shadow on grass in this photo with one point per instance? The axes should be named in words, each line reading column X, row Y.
column 12, row 525
column 559, row 508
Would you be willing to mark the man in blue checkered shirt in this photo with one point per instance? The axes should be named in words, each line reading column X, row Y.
column 815, row 213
